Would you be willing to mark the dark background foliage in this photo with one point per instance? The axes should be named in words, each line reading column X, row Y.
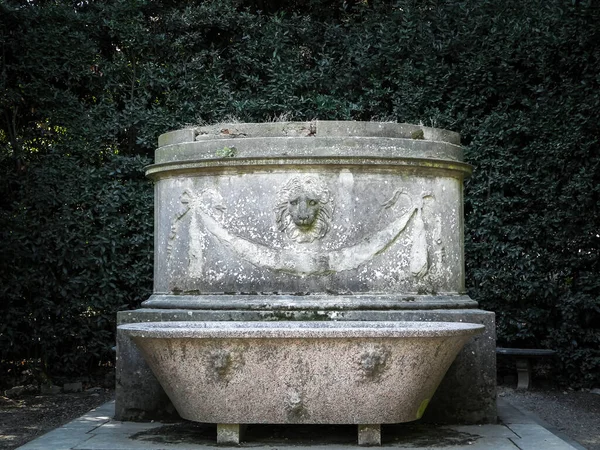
column 86, row 87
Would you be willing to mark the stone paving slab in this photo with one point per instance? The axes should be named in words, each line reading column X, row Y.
column 97, row 430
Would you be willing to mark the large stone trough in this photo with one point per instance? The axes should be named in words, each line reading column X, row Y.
column 334, row 223
column 361, row 373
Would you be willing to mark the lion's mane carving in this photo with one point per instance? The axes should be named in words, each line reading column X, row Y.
column 304, row 209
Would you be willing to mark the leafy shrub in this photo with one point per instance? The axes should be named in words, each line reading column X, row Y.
column 86, row 88
column 77, row 243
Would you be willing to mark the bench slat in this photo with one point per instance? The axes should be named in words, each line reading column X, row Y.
column 525, row 351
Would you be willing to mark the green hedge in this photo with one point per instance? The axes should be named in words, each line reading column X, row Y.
column 86, row 90
column 79, row 247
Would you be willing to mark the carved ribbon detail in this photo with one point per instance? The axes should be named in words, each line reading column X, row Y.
column 303, row 212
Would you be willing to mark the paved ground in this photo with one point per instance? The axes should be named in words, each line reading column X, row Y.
column 572, row 413
column 97, row 431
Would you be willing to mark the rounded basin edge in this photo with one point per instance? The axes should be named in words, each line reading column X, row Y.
column 300, row 329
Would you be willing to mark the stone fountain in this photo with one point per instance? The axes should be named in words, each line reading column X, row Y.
column 308, row 272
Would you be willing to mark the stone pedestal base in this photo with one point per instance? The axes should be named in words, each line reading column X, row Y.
column 466, row 395
column 524, row 369
column 230, row 433
column 369, row 435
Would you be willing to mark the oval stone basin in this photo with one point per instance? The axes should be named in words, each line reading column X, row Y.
column 300, row 372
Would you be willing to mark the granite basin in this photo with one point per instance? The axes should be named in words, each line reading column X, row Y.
column 300, row 372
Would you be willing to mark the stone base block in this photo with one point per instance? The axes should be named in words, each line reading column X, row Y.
column 467, row 393
column 140, row 396
column 230, row 433
column 369, row 435
column 524, row 371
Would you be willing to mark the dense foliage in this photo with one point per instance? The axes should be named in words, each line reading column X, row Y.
column 86, row 87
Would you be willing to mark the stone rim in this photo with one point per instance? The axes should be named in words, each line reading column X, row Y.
column 299, row 329
column 423, row 166
column 312, row 302
column 252, row 147
column 330, row 146
column 315, row 128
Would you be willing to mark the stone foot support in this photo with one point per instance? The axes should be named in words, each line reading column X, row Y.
column 230, row 433
column 524, row 373
column 369, row 435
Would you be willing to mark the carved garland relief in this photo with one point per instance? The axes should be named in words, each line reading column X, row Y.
column 303, row 212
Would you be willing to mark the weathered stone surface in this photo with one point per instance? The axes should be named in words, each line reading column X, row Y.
column 230, row 433
column 334, row 221
column 339, row 208
column 139, row 395
column 467, row 394
column 229, row 151
column 174, row 137
column 310, row 302
column 321, row 128
column 300, row 372
column 369, row 435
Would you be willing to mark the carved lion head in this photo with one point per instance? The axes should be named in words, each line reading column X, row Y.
column 304, row 209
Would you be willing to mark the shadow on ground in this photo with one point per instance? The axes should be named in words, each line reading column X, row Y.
column 414, row 435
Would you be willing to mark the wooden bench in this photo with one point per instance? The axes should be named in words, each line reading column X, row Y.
column 524, row 356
